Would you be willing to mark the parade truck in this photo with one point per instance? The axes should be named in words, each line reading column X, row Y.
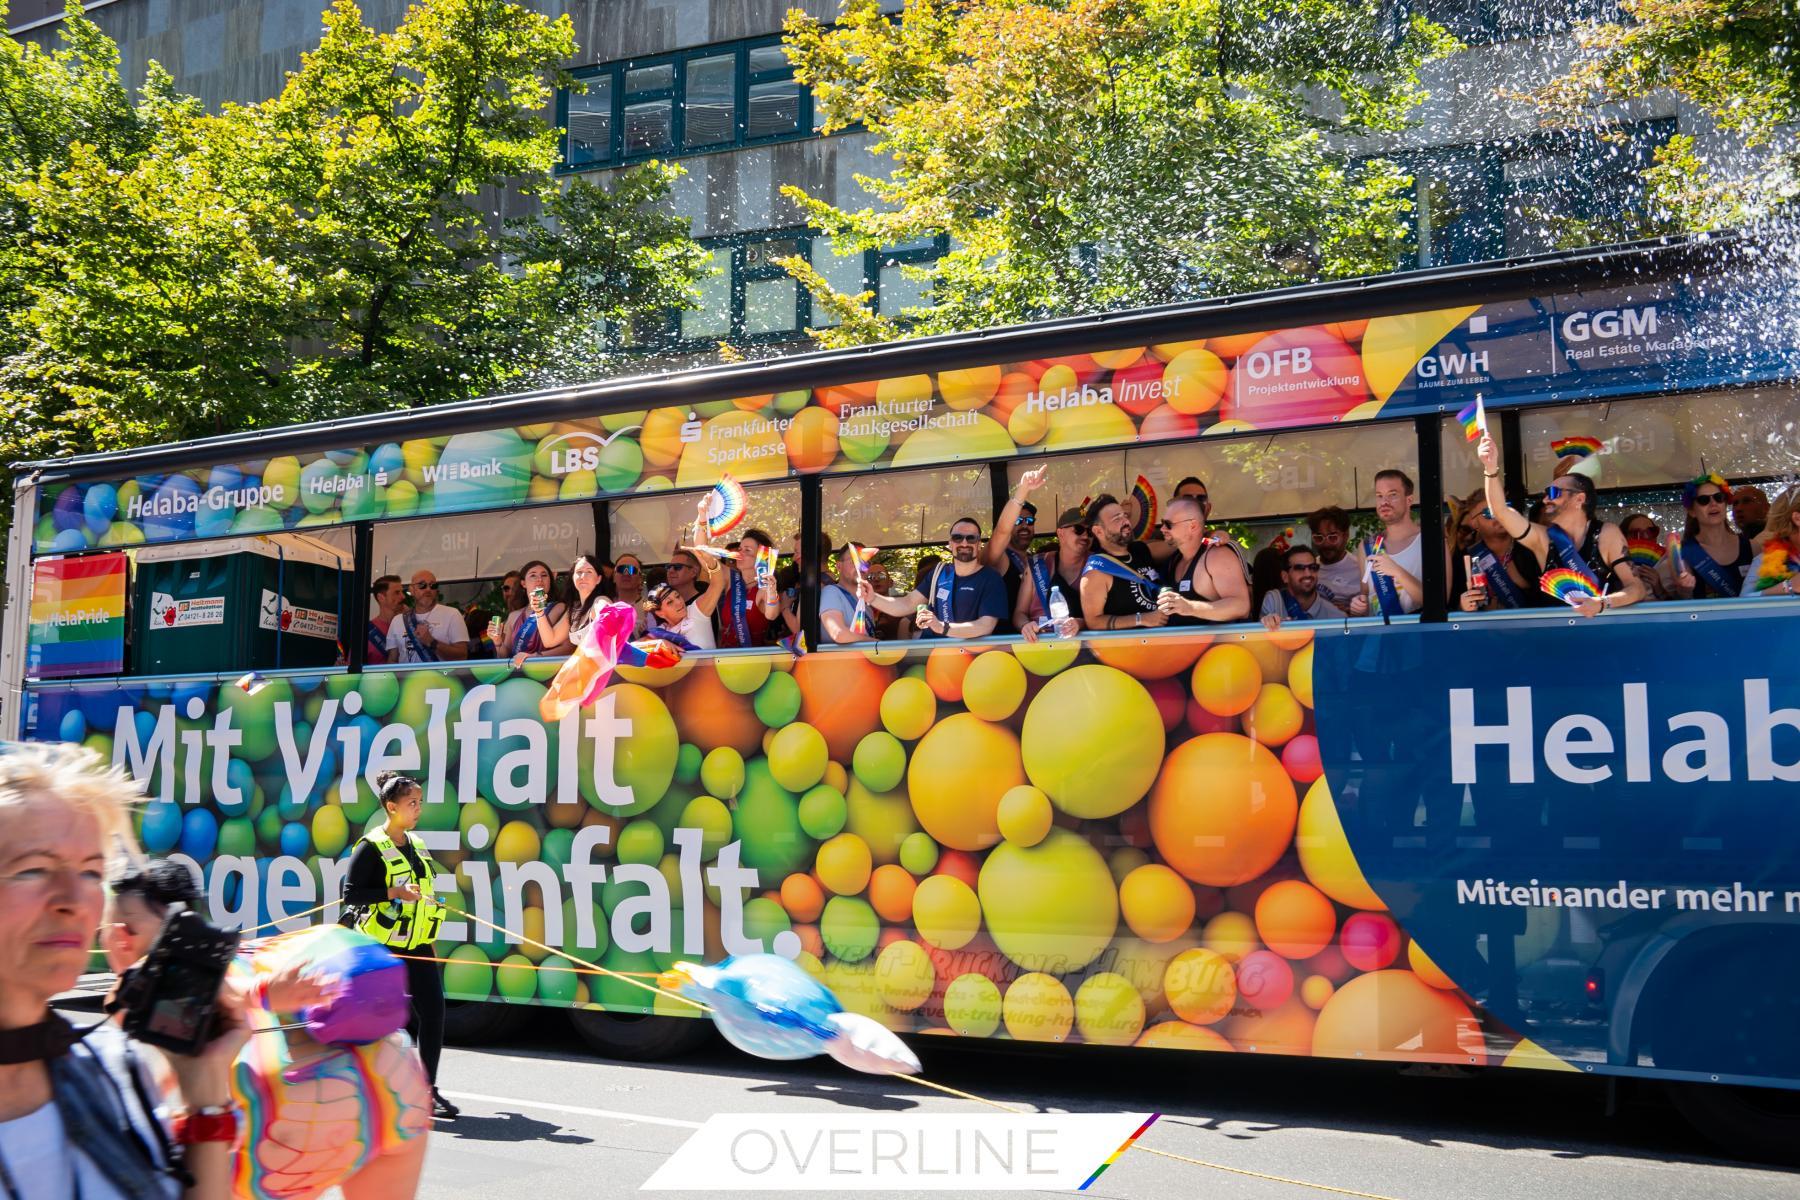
column 1525, row 839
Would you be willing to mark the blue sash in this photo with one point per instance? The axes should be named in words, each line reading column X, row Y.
column 1387, row 596
column 1708, row 569
column 739, row 600
column 1294, row 611
column 377, row 645
column 1106, row 564
column 1500, row 584
column 671, row 637
column 1039, row 573
column 941, row 586
column 523, row 635
column 1567, row 554
column 410, row 628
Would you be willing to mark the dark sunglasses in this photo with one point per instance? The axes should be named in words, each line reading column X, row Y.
column 681, row 566
column 965, row 537
column 424, row 587
column 1555, row 493
column 627, row 569
column 1313, row 567
column 1200, row 499
column 1026, row 520
column 1081, row 529
column 1710, row 498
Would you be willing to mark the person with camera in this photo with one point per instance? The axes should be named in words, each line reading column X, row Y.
column 389, row 895
column 76, row 1114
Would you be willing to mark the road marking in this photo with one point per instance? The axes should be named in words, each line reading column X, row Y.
column 576, row 1110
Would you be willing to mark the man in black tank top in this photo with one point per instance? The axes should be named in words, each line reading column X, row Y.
column 1119, row 587
column 1209, row 584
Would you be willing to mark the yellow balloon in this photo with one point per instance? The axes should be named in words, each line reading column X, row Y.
column 1200, row 986
column 908, row 708
column 1300, row 675
column 1025, row 815
column 1325, row 852
column 994, row 685
column 1038, row 1009
column 843, row 864
column 1427, row 971
column 516, row 843
column 1108, row 1010
column 903, row 975
column 946, row 912
column 1231, row 935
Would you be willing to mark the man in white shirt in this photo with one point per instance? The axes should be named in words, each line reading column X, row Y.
column 1395, row 568
column 431, row 632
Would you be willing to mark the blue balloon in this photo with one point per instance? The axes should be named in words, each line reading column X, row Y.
column 100, row 505
column 199, row 834
column 69, row 540
column 227, row 477
column 66, row 513
column 388, row 458
column 73, row 726
column 162, row 827
column 146, row 726
column 181, row 693
column 172, row 509
column 214, row 522
column 764, row 1004
column 296, row 840
column 239, row 776
column 101, row 707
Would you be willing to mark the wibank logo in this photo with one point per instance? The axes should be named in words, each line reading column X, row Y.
column 934, row 1152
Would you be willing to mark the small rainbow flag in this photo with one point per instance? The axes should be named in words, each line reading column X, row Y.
column 1571, row 587
column 1117, row 1154
column 1574, row 447
column 730, row 505
column 1473, row 420
column 1146, row 498
column 1644, row 551
column 765, row 565
column 1778, row 565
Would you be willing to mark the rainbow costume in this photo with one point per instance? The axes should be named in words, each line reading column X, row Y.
column 319, row 1106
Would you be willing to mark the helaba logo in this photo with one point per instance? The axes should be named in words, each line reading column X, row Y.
column 580, row 451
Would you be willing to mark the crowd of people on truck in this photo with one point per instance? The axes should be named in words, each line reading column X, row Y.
column 1095, row 575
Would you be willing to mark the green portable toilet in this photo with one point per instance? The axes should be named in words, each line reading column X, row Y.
column 239, row 604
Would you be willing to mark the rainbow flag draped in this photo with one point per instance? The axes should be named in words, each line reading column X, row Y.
column 77, row 616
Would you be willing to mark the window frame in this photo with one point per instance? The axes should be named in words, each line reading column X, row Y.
column 743, row 79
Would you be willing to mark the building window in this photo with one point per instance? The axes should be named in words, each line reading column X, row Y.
column 1554, row 189
column 1482, row 22
column 746, row 296
column 695, row 102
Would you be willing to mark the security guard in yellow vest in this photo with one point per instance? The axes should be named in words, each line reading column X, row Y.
column 390, row 889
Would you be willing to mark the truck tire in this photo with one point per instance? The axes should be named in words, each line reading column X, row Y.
column 1751, row 1122
column 477, row 1022
column 636, row 1037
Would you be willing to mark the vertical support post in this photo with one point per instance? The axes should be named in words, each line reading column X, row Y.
column 355, row 623
column 1512, row 458
column 1428, row 429
column 812, row 530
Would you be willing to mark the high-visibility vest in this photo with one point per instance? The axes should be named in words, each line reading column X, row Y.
column 403, row 924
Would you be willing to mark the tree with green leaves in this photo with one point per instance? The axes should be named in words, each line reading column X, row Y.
column 1092, row 154
column 1738, row 61
column 166, row 273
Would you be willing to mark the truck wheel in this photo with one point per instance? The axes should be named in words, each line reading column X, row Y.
column 636, row 1037
column 477, row 1022
column 1759, row 1123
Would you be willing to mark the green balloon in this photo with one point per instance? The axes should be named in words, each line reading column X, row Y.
column 478, row 815
column 763, row 919
column 712, row 818
column 380, row 692
column 440, row 817
column 778, row 700
column 616, row 993
column 687, row 763
column 849, row 928
column 880, row 761
column 767, row 822
column 722, row 772
column 643, row 763
column 254, row 716
column 268, row 827
column 572, row 931
column 468, row 976
column 918, row 854
column 640, row 842
column 516, row 977
column 238, row 836
column 556, row 984
column 823, row 812
column 558, row 848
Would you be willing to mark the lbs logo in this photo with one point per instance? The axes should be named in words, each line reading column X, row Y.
column 580, row 451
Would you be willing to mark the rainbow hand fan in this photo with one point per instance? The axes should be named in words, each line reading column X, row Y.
column 1146, row 498
column 1644, row 552
column 1571, row 587
column 730, row 504
column 1574, row 447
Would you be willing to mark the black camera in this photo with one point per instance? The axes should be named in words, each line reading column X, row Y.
column 171, row 998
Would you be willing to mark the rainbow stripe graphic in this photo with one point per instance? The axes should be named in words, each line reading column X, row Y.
column 77, row 616
column 1123, row 1147
column 1645, row 552
column 1571, row 587
column 1473, row 420
column 1574, row 447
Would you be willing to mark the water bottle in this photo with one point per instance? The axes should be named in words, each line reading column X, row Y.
column 1059, row 611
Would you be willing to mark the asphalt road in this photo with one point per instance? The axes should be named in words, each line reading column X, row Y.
column 545, row 1121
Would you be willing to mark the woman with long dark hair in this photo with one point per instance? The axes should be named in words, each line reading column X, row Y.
column 1714, row 557
column 533, row 629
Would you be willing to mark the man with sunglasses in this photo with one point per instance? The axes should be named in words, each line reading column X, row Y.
column 1340, row 571
column 1034, row 614
column 431, row 632
column 1191, row 487
column 963, row 598
column 1298, row 598
column 1571, row 535
column 1008, row 551
column 1211, row 584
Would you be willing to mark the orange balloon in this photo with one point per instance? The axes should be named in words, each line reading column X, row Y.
column 802, row 897
column 1290, row 636
column 840, row 696
column 1427, row 971
column 1179, row 1035
column 1118, row 360
column 711, row 715
column 1295, row 919
column 1350, row 331
column 1158, row 658
column 1223, row 809
column 959, row 864
column 812, row 439
column 945, row 669
column 1014, row 387
column 839, row 395
column 1287, row 1029
column 811, row 941
column 1227, row 680
column 1395, row 1015
column 891, row 893
column 753, row 403
column 1157, row 904
column 660, row 438
column 1234, row 344
column 968, row 387
column 1200, row 986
